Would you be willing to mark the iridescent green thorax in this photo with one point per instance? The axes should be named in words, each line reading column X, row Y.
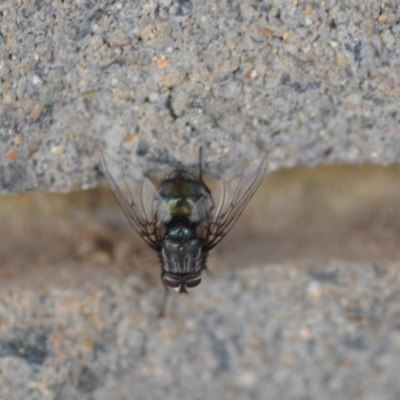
column 181, row 252
column 181, row 195
column 180, row 233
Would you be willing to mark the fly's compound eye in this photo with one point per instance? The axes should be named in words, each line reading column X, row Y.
column 172, row 282
column 181, row 286
column 191, row 283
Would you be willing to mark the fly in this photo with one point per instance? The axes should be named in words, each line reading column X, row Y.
column 181, row 219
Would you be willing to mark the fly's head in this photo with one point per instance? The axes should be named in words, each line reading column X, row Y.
column 181, row 283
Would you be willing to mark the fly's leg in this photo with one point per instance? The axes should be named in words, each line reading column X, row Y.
column 201, row 164
column 163, row 309
column 207, row 271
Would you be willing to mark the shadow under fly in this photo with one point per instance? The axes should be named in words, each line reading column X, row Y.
column 182, row 220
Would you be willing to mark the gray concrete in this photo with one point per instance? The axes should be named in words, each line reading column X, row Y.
column 306, row 82
column 266, row 332
column 303, row 302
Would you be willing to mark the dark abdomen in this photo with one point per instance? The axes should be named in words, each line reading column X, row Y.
column 181, row 195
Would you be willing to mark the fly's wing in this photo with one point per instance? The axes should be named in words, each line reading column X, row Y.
column 232, row 197
column 138, row 198
column 203, row 207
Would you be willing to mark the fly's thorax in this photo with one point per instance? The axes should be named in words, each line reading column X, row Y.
column 181, row 251
column 180, row 234
column 182, row 258
column 182, row 196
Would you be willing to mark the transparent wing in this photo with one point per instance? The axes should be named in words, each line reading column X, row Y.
column 202, row 208
column 231, row 198
column 138, row 198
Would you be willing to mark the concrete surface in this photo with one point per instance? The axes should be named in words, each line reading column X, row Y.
column 302, row 302
column 303, row 298
column 306, row 82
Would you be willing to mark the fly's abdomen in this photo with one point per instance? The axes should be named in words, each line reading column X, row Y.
column 181, row 195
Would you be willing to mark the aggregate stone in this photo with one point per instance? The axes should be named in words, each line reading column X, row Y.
column 304, row 82
column 311, row 310
column 302, row 298
column 256, row 332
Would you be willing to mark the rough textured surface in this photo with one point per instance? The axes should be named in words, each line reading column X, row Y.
column 303, row 300
column 306, row 82
column 268, row 331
